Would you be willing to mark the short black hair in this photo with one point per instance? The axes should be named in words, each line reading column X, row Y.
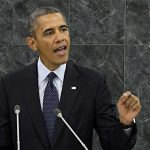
column 41, row 11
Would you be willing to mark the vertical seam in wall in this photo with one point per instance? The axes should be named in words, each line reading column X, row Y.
column 125, row 44
column 69, row 19
column 69, row 12
column 13, row 24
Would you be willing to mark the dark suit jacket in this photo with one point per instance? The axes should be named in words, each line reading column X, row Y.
column 86, row 107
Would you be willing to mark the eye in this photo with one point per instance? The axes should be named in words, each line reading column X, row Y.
column 64, row 29
column 48, row 33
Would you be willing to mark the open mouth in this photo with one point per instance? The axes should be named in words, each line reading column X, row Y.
column 60, row 50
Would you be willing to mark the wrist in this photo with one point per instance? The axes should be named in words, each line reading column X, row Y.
column 125, row 121
column 125, row 126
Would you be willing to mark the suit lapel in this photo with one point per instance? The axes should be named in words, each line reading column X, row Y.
column 31, row 98
column 70, row 91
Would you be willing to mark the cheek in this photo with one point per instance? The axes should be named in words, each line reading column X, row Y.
column 49, row 43
column 46, row 46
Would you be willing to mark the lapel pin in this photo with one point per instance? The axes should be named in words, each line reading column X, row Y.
column 73, row 87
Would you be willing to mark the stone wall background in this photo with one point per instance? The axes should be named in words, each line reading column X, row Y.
column 110, row 36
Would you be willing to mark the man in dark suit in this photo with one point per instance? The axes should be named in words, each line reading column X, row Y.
column 83, row 95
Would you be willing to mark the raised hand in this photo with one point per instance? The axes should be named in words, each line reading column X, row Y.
column 128, row 107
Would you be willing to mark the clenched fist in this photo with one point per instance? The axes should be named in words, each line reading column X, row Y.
column 128, row 107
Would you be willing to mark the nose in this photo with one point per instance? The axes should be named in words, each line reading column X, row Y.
column 59, row 37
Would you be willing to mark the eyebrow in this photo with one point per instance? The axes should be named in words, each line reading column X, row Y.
column 66, row 26
column 51, row 29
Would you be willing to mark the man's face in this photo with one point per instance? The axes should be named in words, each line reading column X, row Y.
column 52, row 40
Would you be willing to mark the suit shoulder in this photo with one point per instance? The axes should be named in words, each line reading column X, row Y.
column 88, row 72
column 18, row 73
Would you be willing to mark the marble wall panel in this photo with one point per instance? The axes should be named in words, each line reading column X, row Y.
column 138, row 70
column 14, row 57
column 143, row 125
column 6, row 21
column 138, row 21
column 6, row 59
column 97, row 21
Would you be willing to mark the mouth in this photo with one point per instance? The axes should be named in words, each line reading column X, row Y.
column 60, row 50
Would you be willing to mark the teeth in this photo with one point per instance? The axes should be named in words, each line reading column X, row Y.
column 61, row 47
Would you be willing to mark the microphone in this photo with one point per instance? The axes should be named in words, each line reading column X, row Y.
column 17, row 111
column 59, row 115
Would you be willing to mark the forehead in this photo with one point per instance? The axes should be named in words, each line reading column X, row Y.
column 51, row 20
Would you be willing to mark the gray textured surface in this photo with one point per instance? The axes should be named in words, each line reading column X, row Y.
column 97, row 21
column 110, row 36
column 6, row 21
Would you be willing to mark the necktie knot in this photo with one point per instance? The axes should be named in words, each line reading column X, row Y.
column 51, row 76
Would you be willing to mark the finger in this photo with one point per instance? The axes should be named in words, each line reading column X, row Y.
column 126, row 94
column 128, row 101
column 124, row 97
column 135, row 103
column 136, row 107
column 132, row 100
column 132, row 103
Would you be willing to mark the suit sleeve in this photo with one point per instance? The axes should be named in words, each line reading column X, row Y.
column 110, row 131
column 5, row 131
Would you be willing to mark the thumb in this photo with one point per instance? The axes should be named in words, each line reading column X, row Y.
column 124, row 97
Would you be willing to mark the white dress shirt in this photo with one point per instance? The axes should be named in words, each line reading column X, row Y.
column 43, row 71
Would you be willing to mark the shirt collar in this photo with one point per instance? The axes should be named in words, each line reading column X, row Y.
column 43, row 71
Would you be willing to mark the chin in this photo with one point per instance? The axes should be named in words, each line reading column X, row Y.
column 65, row 60
column 62, row 61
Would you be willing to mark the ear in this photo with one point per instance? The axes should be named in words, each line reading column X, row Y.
column 31, row 42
